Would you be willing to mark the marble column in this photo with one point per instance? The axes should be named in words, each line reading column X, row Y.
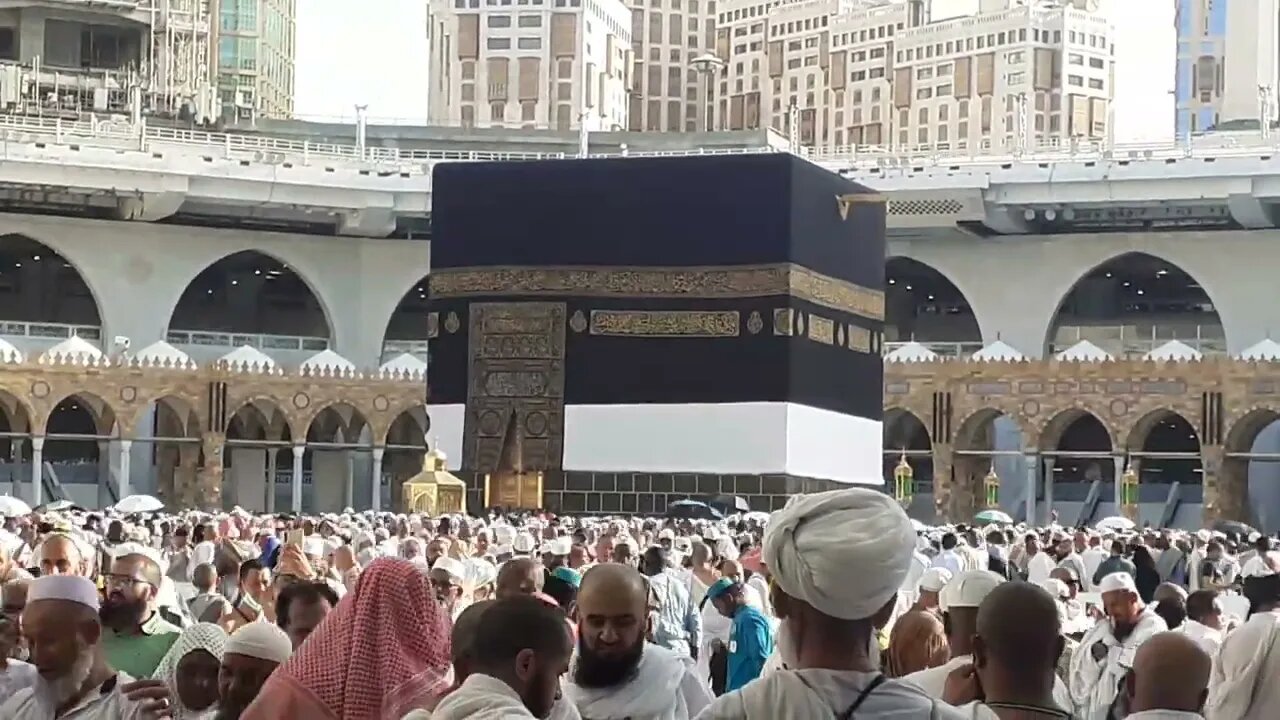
column 37, row 470
column 1033, row 465
column 350, row 473
column 125, row 446
column 1118, row 485
column 295, row 497
column 1048, row 488
column 270, row 491
column 377, row 478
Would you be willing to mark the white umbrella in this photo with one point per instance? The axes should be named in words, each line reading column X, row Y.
column 11, row 506
column 1115, row 522
column 139, row 504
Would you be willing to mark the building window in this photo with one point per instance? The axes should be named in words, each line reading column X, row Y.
column 529, row 43
column 1096, row 63
column 499, row 21
column 1075, row 80
column 1095, row 84
column 499, row 43
column 530, row 21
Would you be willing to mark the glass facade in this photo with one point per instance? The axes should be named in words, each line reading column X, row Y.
column 256, row 58
column 1202, row 34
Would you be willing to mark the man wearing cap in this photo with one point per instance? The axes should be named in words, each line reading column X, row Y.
column 447, row 576
column 931, row 584
column 959, row 602
column 251, row 654
column 1105, row 655
column 678, row 624
column 838, row 560
column 76, row 682
column 750, row 637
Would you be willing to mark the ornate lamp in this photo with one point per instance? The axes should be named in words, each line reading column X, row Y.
column 1129, row 493
column 991, row 483
column 903, row 481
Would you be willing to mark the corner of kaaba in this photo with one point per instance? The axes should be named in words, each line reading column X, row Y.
column 614, row 335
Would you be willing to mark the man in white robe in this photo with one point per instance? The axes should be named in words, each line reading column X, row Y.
column 1244, row 683
column 1106, row 653
column 827, row 639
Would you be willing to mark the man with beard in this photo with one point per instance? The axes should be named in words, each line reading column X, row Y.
column 838, row 561
column 251, row 654
column 447, row 575
column 516, row 656
column 76, row 682
column 136, row 636
column 617, row 674
column 1105, row 655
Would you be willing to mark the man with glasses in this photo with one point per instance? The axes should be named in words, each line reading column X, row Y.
column 136, row 637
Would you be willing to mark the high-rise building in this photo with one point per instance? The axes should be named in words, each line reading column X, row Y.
column 851, row 72
column 146, row 56
column 558, row 64
column 673, row 78
column 1212, row 88
column 256, row 49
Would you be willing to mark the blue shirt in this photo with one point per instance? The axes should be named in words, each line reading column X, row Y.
column 750, row 645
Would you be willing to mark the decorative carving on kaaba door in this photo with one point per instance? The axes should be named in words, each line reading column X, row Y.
column 755, row 323
column 452, row 323
column 433, row 325
column 782, row 321
column 665, row 323
column 515, row 385
column 578, row 322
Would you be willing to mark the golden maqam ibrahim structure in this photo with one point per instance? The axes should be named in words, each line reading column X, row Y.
column 1140, row 436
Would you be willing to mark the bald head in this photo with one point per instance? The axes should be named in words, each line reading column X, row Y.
column 520, row 576
column 1019, row 635
column 60, row 555
column 615, row 586
column 462, row 641
column 1170, row 672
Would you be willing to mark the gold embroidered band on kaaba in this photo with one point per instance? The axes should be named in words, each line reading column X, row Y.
column 701, row 283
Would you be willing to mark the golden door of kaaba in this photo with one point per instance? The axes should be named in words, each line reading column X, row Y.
column 515, row 398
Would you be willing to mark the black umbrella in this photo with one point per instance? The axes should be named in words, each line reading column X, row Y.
column 693, row 510
column 730, row 503
column 1233, row 526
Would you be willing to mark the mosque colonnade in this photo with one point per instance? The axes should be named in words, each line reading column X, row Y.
column 216, row 435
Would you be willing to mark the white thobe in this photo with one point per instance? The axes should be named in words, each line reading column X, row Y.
column 105, row 703
column 1039, row 567
column 1094, row 683
column 1206, row 637
column 1164, row 715
column 481, row 697
column 813, row 694
column 665, row 687
column 17, row 675
column 1243, row 684
column 949, row 560
column 1091, row 558
column 934, row 680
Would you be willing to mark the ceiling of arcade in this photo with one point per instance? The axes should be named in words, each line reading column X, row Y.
column 1226, row 402
column 195, row 402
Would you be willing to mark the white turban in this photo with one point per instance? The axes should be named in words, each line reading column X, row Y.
column 844, row 552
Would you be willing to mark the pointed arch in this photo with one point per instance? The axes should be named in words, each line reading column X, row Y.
column 99, row 411
column 334, row 418
column 904, row 430
column 924, row 304
column 1075, row 420
column 205, row 302
column 1141, row 431
column 1135, row 289
column 66, row 295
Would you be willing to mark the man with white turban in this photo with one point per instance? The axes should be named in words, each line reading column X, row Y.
column 1105, row 655
column 1243, row 684
column 838, row 560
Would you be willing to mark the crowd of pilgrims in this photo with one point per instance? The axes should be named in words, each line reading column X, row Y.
column 837, row 606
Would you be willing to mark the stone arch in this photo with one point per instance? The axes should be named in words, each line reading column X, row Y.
column 1245, row 425
column 1051, row 432
column 408, row 426
column 199, row 286
column 101, row 411
column 17, row 412
column 327, row 420
column 29, row 253
column 268, row 413
column 899, row 420
column 1137, row 435
column 1106, row 275
column 904, row 303
column 1231, row 499
column 172, row 411
column 971, row 430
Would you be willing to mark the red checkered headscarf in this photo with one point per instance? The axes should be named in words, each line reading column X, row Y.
column 381, row 653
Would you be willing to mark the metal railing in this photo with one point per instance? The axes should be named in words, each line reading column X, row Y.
column 945, row 349
column 51, row 331
column 1134, row 341
column 233, row 340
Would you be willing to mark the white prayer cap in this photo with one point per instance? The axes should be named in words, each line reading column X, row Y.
column 456, row 569
column 260, row 640
column 667, row 534
column 934, row 579
column 968, row 589
column 559, row 546
column 523, row 543
column 71, row 588
column 818, row 542
column 314, row 546
column 1117, row 581
column 1056, row 588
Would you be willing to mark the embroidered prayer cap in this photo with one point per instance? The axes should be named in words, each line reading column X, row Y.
column 934, row 579
column 719, row 587
column 456, row 569
column 968, row 589
column 1117, row 581
column 815, row 544
column 71, row 588
column 260, row 640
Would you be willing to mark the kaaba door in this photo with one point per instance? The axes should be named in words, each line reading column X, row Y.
column 515, row 394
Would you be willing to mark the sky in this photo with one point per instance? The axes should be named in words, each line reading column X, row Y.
column 377, row 61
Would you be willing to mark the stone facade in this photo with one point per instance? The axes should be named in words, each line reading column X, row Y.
column 198, row 408
column 1227, row 402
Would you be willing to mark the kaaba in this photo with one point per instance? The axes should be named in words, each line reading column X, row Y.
column 641, row 330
